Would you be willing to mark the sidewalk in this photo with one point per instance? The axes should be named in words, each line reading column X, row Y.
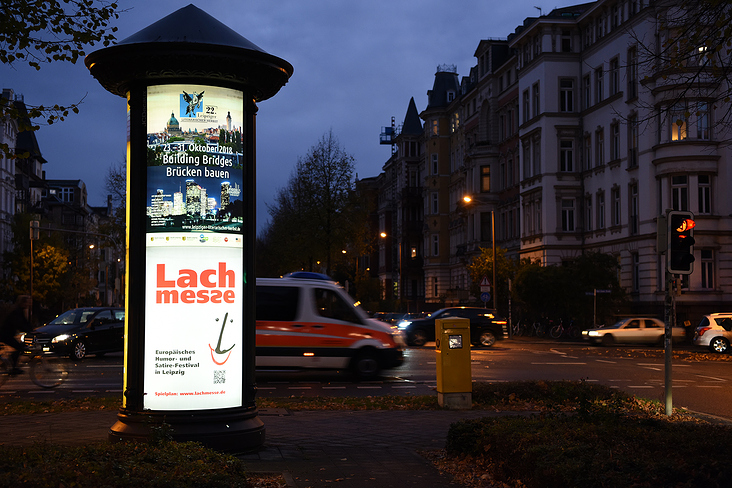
column 352, row 449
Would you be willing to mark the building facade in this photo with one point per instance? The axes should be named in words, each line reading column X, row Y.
column 569, row 141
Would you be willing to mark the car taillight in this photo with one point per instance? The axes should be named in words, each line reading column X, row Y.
column 700, row 332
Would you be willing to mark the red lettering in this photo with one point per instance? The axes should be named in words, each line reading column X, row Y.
column 188, row 296
column 187, row 279
column 225, row 275
column 205, row 275
column 229, row 296
column 216, row 296
column 166, row 296
column 162, row 283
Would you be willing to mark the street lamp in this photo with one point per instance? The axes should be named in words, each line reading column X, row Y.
column 468, row 199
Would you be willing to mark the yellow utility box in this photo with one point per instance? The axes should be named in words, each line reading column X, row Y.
column 454, row 378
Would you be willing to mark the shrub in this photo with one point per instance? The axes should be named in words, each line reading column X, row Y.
column 165, row 464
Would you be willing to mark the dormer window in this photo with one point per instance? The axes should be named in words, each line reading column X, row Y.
column 450, row 95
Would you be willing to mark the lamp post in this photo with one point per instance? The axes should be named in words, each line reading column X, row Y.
column 468, row 199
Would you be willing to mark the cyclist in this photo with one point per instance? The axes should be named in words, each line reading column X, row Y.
column 16, row 321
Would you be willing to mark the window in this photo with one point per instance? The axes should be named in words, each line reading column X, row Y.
column 634, row 218
column 599, row 87
column 616, row 206
column 435, row 166
column 615, row 143
column 435, row 203
column 586, row 93
column 435, row 128
column 677, row 118
column 566, row 155
column 566, row 41
column 485, row 179
column 601, row 210
column 633, row 141
column 67, row 194
column 536, row 97
column 277, row 303
column 566, row 95
column 527, row 160
column 567, row 215
column 614, row 76
column 331, row 305
column 680, row 193
column 635, row 263
column 600, row 147
column 632, row 74
column 588, row 152
column 450, row 96
column 537, row 156
column 527, row 108
column 588, row 213
column 702, row 121
column 707, row 269
column 435, row 246
column 705, row 195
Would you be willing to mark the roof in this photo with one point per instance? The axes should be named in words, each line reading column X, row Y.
column 412, row 123
column 445, row 81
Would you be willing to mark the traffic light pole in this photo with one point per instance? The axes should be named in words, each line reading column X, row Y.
column 670, row 316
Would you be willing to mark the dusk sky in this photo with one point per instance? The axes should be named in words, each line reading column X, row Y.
column 356, row 64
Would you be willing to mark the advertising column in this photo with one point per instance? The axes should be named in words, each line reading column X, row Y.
column 194, row 301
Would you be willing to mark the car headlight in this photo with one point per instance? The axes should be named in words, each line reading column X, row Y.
column 404, row 324
column 60, row 338
column 594, row 333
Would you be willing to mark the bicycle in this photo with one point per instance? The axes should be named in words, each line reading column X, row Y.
column 46, row 370
column 539, row 329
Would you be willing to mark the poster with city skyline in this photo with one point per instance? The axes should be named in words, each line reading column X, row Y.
column 194, row 159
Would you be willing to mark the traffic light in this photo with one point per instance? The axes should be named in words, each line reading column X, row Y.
column 680, row 242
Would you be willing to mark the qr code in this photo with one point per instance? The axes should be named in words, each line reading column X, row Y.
column 219, row 377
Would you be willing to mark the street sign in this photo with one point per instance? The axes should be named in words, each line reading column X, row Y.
column 485, row 297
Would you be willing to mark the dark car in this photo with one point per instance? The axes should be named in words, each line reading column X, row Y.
column 82, row 331
column 486, row 327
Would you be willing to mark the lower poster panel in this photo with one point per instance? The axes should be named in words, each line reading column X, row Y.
column 193, row 322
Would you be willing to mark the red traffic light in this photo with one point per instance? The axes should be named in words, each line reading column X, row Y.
column 686, row 224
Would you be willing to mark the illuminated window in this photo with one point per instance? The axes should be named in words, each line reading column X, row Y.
column 485, row 179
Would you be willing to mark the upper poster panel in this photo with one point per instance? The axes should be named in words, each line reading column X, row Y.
column 194, row 159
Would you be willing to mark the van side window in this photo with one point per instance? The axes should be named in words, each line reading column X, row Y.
column 277, row 303
column 330, row 304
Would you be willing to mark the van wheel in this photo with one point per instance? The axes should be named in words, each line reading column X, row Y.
column 365, row 365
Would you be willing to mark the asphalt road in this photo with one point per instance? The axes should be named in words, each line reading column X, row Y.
column 700, row 382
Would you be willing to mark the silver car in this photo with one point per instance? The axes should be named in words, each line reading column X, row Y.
column 715, row 332
column 638, row 330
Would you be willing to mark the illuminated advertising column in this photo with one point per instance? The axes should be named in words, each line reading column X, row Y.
column 191, row 85
column 194, row 284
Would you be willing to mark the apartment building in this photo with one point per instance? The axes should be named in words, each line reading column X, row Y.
column 568, row 141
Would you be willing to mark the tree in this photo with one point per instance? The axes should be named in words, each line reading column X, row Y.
column 506, row 269
column 553, row 292
column 314, row 218
column 45, row 31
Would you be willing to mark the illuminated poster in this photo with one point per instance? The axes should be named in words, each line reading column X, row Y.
column 194, row 248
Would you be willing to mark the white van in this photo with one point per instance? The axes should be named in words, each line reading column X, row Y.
column 314, row 323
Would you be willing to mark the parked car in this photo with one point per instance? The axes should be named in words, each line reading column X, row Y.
column 81, row 331
column 635, row 330
column 715, row 332
column 486, row 327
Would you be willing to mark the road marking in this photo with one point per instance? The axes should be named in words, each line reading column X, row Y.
column 709, row 386
column 605, row 361
column 35, row 392
column 266, row 388
column 561, row 363
column 403, row 387
column 82, row 391
column 721, row 380
column 334, row 387
column 299, row 388
column 368, row 387
column 640, row 386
